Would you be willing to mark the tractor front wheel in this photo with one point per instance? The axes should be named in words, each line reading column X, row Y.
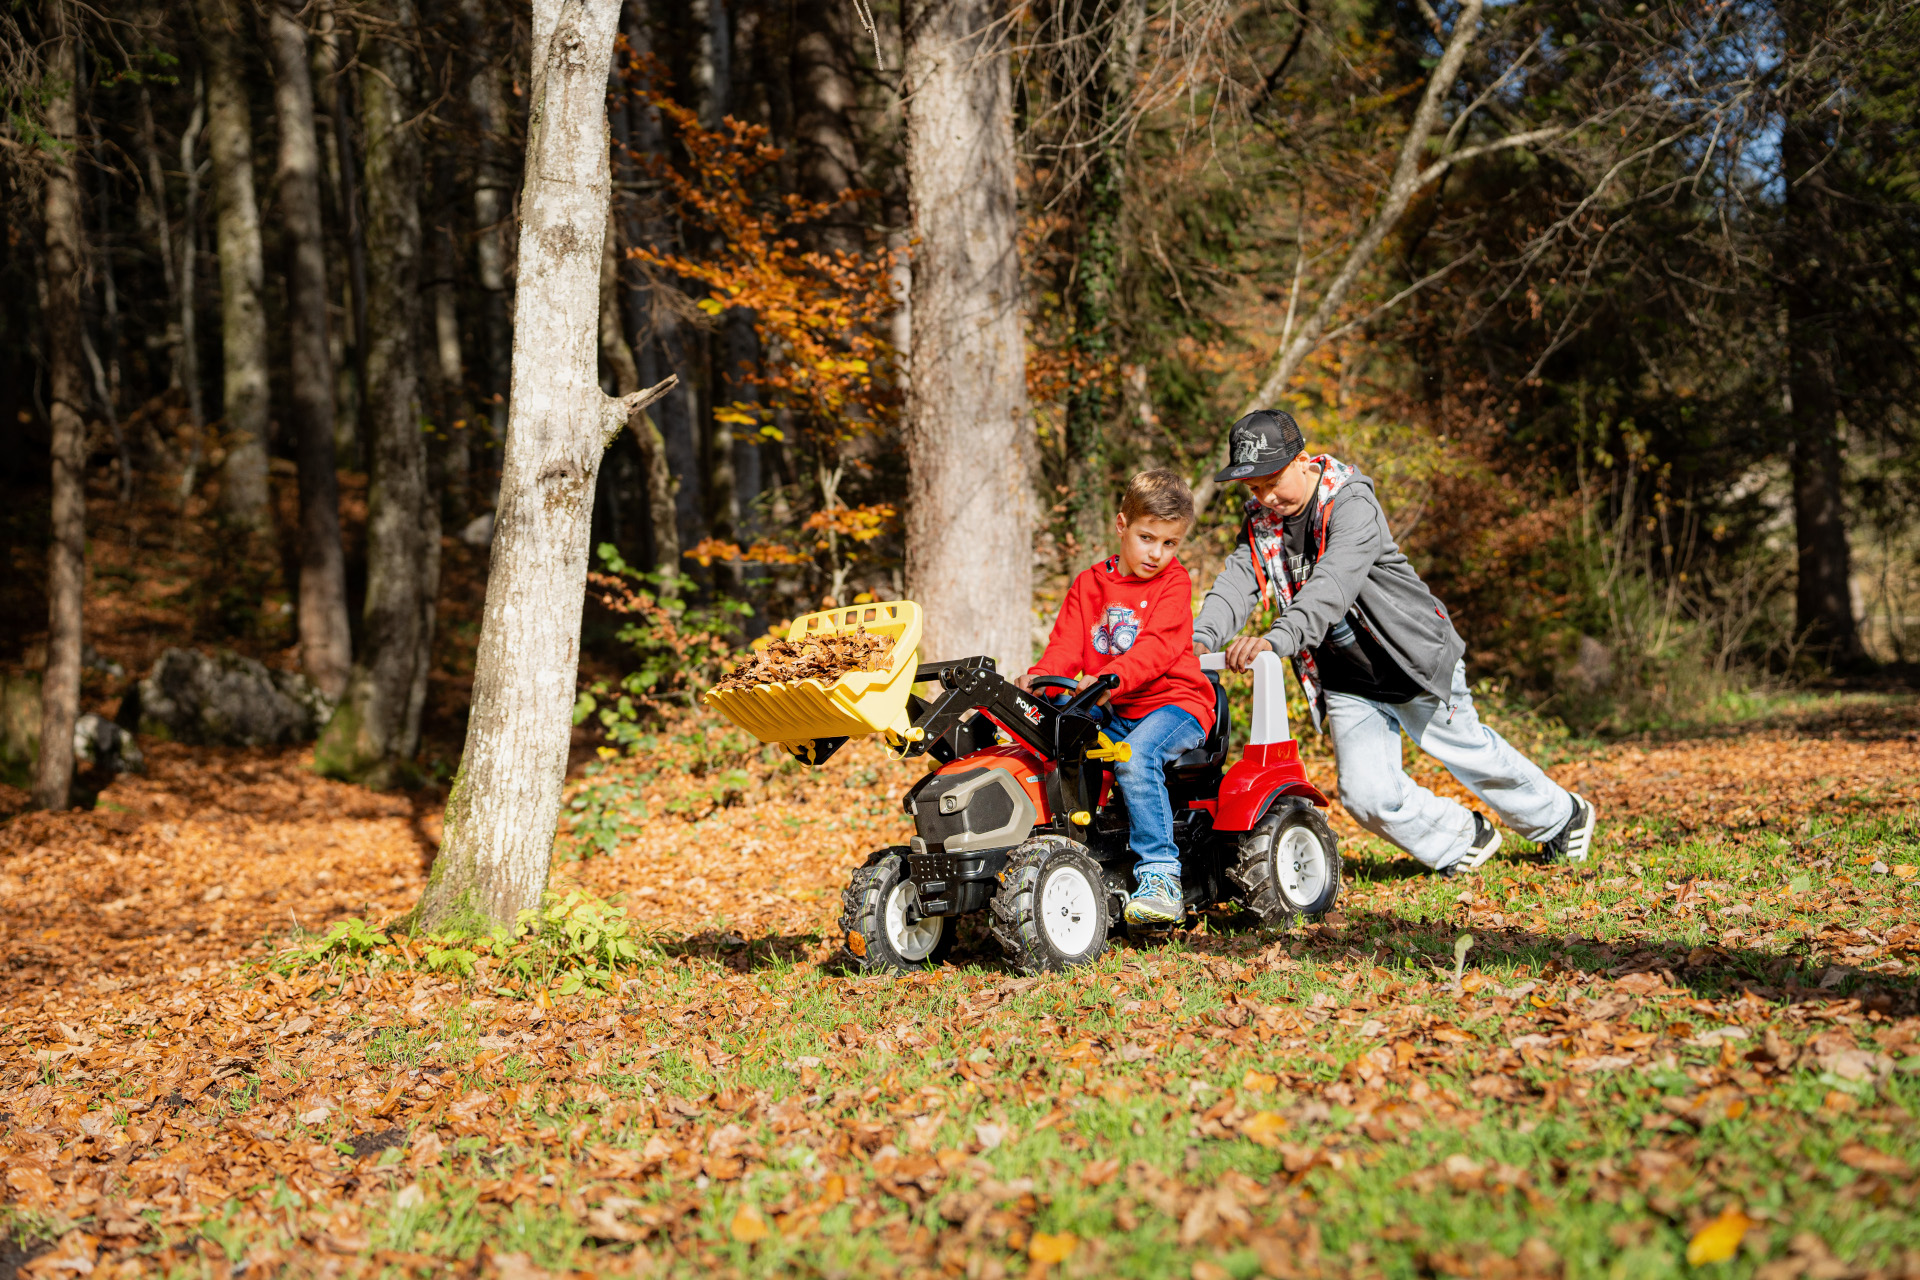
column 880, row 922
column 1289, row 865
column 1050, row 912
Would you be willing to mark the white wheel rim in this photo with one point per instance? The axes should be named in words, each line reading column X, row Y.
column 1069, row 910
column 1301, row 865
column 911, row 942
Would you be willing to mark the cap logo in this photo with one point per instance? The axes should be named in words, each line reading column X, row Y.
column 1251, row 447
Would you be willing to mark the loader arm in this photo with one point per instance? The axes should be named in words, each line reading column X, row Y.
column 973, row 684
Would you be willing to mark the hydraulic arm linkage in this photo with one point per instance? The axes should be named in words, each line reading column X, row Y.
column 1066, row 735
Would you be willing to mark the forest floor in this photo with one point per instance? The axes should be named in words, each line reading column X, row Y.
column 1704, row 1041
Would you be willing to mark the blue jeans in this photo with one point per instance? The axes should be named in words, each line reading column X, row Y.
column 1156, row 738
column 1437, row 831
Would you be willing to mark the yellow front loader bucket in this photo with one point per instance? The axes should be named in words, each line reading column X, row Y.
column 797, row 712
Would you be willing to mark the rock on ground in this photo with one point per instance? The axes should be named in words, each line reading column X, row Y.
column 223, row 699
column 99, row 742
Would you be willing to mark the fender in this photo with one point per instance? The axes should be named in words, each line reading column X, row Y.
column 1264, row 772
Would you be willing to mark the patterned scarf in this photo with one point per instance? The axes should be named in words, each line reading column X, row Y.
column 1266, row 534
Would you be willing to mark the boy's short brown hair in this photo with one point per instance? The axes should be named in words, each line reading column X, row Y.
column 1158, row 494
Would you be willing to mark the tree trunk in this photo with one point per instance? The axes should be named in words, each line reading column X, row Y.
column 664, row 345
column 156, row 193
column 333, row 52
column 1823, row 597
column 243, row 330
column 1114, row 31
column 376, row 732
column 712, row 60
column 449, row 367
column 190, row 293
column 1116, row 27
column 626, row 377
column 492, row 196
column 1810, row 257
column 66, row 556
column 824, row 102
column 501, row 816
column 326, row 646
column 967, row 427
column 712, row 82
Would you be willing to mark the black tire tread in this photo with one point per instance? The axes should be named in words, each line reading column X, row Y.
column 860, row 904
column 1011, row 912
column 1252, row 873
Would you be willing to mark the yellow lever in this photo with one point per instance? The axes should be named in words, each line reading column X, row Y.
column 1118, row 752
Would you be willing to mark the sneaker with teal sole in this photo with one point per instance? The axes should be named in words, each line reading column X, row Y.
column 1158, row 901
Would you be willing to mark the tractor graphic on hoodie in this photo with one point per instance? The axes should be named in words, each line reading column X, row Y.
column 1117, row 630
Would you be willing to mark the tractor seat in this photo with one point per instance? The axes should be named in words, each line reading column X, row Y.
column 1212, row 753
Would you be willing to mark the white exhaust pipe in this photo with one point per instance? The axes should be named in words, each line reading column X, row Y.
column 1269, row 696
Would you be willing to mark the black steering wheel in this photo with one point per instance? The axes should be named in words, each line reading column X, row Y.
column 1054, row 682
column 1089, row 695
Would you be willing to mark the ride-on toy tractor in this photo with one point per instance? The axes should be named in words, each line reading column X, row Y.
column 1022, row 819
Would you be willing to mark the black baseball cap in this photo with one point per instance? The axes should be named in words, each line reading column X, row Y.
column 1260, row 444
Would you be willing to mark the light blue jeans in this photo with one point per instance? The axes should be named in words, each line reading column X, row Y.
column 1376, row 790
column 1156, row 738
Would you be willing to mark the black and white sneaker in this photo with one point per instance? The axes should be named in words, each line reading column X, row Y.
column 1486, row 843
column 1576, row 838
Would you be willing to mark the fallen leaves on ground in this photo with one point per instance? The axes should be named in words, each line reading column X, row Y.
column 176, row 1061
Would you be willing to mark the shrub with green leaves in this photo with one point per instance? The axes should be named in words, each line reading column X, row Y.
column 579, row 936
column 610, row 809
column 678, row 647
column 352, row 936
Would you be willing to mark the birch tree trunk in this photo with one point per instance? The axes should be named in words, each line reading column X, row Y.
column 505, row 803
column 326, row 646
column 967, row 426
column 243, row 329
column 376, row 731
column 66, row 556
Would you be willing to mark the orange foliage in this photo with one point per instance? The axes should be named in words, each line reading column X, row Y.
column 819, row 314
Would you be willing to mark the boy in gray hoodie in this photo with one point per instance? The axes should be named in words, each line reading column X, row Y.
column 1375, row 652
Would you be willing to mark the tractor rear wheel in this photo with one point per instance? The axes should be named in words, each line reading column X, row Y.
column 880, row 922
column 1289, row 865
column 1050, row 912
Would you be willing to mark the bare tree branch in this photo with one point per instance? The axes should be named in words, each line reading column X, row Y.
column 1400, row 191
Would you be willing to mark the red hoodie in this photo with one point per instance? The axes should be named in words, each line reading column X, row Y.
column 1138, row 629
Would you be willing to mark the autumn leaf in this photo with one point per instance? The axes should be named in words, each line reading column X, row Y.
column 1858, row 1155
column 1719, row 1239
column 748, row 1227
column 1048, row 1250
column 1265, row 1127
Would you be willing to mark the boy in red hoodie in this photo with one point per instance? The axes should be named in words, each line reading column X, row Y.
column 1131, row 616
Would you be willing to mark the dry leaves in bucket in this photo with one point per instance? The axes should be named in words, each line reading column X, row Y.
column 811, row 658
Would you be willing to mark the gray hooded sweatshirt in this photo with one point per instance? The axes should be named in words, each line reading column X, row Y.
column 1363, row 575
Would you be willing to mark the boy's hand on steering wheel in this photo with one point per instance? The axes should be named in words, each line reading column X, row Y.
column 1023, row 683
column 1100, row 701
column 1242, row 652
